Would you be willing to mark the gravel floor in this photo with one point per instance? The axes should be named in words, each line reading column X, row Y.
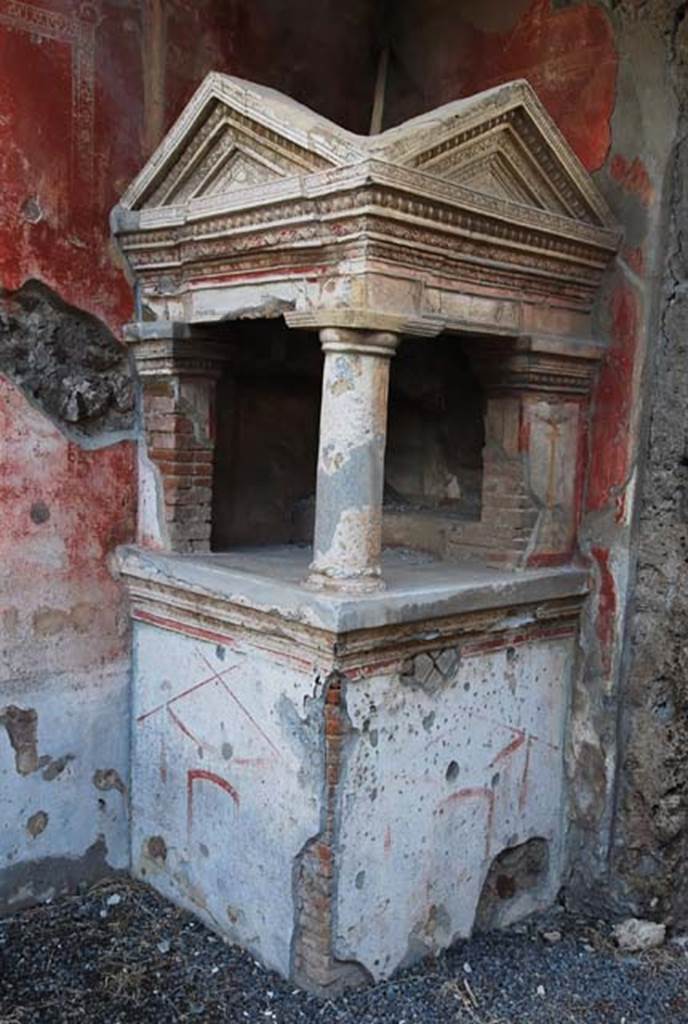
column 121, row 955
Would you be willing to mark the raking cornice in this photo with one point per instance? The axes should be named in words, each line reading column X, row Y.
column 253, row 200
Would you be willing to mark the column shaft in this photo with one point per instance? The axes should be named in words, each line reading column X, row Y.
column 353, row 428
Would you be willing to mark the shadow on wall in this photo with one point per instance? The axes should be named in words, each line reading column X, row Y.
column 268, row 408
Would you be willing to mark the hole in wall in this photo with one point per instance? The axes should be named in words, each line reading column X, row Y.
column 66, row 361
column 452, row 771
column 515, row 872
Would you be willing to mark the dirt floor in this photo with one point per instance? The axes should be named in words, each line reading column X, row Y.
column 121, row 955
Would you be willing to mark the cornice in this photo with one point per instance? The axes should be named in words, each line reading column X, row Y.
column 305, row 631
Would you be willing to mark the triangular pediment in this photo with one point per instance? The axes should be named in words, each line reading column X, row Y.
column 233, row 135
column 493, row 176
column 499, row 165
column 501, row 143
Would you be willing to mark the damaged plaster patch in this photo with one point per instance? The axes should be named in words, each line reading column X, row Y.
column 105, row 779
column 516, row 870
column 156, row 848
column 37, row 823
column 21, row 726
column 66, row 360
column 55, row 767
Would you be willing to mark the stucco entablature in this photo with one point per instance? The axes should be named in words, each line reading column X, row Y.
column 476, row 215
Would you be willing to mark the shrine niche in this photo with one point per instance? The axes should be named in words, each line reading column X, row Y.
column 334, row 618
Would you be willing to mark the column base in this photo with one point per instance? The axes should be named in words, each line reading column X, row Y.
column 368, row 582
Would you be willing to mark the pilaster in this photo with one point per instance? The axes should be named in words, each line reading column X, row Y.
column 537, row 391
column 179, row 370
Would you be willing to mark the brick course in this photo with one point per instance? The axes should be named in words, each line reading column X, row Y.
column 180, row 438
column 315, row 966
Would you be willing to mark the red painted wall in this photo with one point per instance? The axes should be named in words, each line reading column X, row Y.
column 87, row 89
column 452, row 50
column 71, row 121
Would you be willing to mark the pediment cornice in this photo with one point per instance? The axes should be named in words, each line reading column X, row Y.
column 482, row 196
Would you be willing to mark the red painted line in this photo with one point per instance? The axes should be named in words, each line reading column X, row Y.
column 511, row 728
column 177, row 627
column 582, row 457
column 314, row 269
column 244, row 762
column 290, row 659
column 469, row 650
column 470, row 793
column 187, row 732
column 606, row 607
column 545, row 559
column 245, row 710
column 202, row 775
column 185, row 693
column 216, row 638
column 477, row 793
column 472, row 713
column 365, row 671
column 523, row 791
column 388, row 840
column 510, row 748
column 523, row 430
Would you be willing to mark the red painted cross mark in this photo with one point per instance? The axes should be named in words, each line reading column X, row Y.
column 215, row 677
column 243, row 709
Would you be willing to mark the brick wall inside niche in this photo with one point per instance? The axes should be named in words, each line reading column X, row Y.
column 179, row 419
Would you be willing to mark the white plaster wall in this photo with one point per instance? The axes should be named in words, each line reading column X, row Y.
column 415, row 845
column 75, row 773
column 228, row 774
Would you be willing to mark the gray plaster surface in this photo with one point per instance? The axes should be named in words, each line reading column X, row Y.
column 418, row 586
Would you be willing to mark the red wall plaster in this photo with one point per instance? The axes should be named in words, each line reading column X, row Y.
column 87, row 89
column 568, row 56
column 63, row 511
column 610, row 434
column 606, row 607
column 71, row 127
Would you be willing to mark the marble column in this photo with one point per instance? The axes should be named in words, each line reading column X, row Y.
column 347, row 541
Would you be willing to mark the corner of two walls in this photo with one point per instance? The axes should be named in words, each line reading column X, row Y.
column 68, row 498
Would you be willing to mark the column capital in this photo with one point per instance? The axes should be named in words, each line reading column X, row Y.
column 355, row 341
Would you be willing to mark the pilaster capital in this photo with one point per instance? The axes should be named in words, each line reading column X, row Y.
column 539, row 363
column 172, row 349
column 359, row 342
